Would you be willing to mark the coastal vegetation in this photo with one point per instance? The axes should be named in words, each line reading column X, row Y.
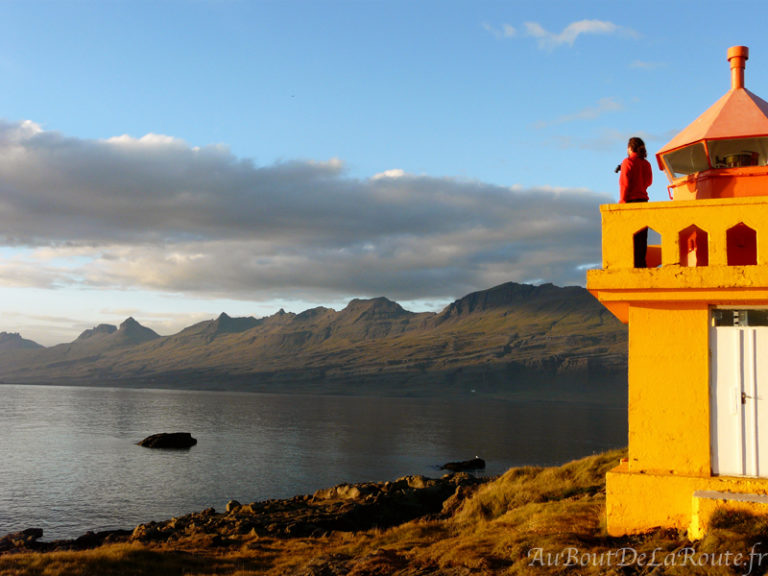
column 530, row 520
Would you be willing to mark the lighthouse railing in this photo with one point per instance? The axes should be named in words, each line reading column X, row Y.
column 694, row 234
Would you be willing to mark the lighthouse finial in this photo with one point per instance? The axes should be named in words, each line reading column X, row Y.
column 737, row 57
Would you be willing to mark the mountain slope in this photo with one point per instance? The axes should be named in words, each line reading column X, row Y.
column 14, row 341
column 486, row 336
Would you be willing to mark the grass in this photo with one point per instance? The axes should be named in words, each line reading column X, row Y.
column 112, row 560
column 517, row 524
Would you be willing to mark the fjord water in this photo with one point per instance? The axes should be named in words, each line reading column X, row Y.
column 69, row 462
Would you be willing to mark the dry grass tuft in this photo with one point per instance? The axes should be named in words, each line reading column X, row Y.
column 110, row 560
column 521, row 486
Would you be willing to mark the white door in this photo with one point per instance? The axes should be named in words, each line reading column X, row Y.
column 739, row 398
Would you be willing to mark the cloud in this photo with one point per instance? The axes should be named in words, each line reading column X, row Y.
column 392, row 173
column 549, row 40
column 567, row 37
column 506, row 31
column 610, row 139
column 154, row 213
column 603, row 106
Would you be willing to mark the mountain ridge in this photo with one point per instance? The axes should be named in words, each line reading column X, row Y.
column 486, row 336
column 14, row 341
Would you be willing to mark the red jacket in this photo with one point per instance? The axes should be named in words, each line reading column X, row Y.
column 636, row 175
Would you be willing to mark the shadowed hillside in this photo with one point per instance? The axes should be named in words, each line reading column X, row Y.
column 484, row 340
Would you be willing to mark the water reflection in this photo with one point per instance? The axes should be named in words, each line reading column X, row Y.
column 70, row 462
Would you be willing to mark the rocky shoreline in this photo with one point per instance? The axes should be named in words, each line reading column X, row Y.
column 459, row 526
column 342, row 508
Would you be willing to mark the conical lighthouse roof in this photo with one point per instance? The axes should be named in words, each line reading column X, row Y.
column 738, row 114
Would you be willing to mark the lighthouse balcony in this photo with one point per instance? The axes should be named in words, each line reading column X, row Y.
column 709, row 250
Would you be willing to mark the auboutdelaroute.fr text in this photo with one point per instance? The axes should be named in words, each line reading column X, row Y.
column 747, row 561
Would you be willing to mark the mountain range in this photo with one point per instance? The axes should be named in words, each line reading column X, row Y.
column 485, row 340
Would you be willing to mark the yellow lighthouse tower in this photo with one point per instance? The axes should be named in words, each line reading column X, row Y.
column 698, row 323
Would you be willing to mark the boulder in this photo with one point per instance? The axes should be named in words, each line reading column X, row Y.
column 24, row 540
column 475, row 463
column 174, row 440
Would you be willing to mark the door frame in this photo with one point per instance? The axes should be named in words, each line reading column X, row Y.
column 738, row 390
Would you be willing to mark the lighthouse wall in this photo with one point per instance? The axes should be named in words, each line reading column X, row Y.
column 703, row 246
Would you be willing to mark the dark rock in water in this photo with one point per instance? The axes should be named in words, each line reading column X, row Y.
column 28, row 541
column 176, row 440
column 24, row 540
column 475, row 463
column 91, row 540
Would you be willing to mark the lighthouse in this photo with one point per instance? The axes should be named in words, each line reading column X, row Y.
column 698, row 323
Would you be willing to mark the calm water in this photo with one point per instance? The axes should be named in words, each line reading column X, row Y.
column 69, row 461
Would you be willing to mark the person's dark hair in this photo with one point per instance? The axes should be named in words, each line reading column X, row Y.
column 637, row 146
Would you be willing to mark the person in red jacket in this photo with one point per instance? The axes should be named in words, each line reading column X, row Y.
column 635, row 177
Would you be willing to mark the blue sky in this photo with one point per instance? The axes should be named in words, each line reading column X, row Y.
column 173, row 160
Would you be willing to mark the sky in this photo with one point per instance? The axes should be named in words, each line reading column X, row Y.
column 172, row 160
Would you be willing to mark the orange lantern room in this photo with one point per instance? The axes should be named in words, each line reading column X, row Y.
column 724, row 152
